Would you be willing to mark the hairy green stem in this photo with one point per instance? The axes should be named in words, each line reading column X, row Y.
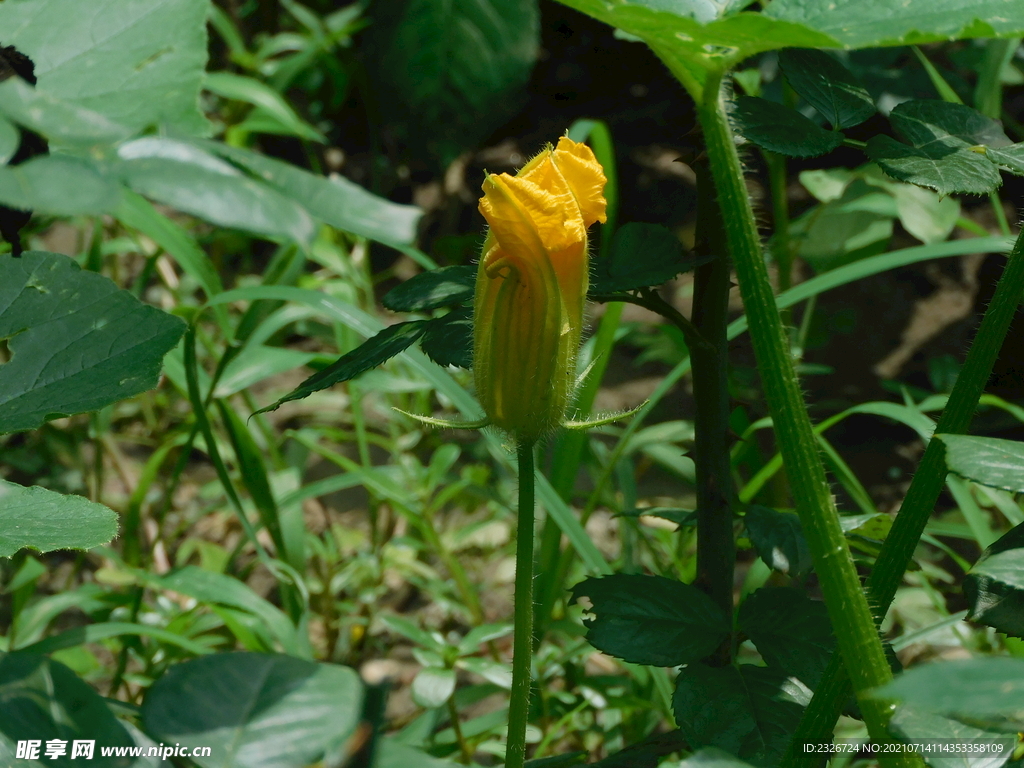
column 522, row 637
column 848, row 610
column 716, row 548
column 821, row 715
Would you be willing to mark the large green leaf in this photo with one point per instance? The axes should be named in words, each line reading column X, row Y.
column 452, row 69
column 827, row 86
column 41, row 699
column 995, row 585
column 782, row 129
column 255, row 710
column 791, row 631
column 137, row 62
column 779, row 539
column 77, row 341
column 448, row 340
column 45, row 520
column 747, row 711
column 920, row 727
column 981, row 691
column 641, row 255
column 986, row 460
column 58, row 185
column 876, row 23
column 651, row 619
column 444, row 287
column 62, row 122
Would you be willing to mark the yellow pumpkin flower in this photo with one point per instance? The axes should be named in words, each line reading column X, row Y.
column 532, row 284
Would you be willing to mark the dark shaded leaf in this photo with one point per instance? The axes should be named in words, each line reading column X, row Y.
column 778, row 539
column 255, row 710
column 448, row 340
column 791, row 631
column 374, row 351
column 710, row 757
column 778, row 128
column 986, row 460
column 43, row 700
column 672, row 514
column 827, row 86
column 444, row 287
column 651, row 619
column 646, row 753
column 77, row 341
column 557, row 761
column 918, row 727
column 748, row 711
column 995, row 585
column 941, row 167
column 984, row 692
column 46, row 520
column 641, row 255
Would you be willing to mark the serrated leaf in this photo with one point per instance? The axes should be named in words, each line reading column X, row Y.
column 375, row 351
column 137, row 63
column 748, row 711
column 778, row 128
column 335, row 200
column 641, row 255
column 989, row 461
column 45, row 520
column 1011, row 157
column 984, row 692
column 940, row 167
column 452, row 70
column 779, row 539
column 433, row 686
column 255, row 710
column 828, row 86
column 45, row 700
column 791, row 631
column 923, row 122
column 77, row 341
column 651, row 619
column 918, row 727
column 59, row 185
column 444, row 287
column 994, row 587
column 861, row 24
column 448, row 340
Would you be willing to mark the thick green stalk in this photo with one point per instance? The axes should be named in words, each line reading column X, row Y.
column 716, row 548
column 522, row 638
column 848, row 610
column 823, row 711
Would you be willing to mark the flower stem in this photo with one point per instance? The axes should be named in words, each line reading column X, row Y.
column 821, row 715
column 847, row 606
column 522, row 653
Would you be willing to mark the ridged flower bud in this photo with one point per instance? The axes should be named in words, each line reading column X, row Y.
column 531, row 286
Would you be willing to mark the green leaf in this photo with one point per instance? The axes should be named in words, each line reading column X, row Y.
column 942, row 168
column 926, row 122
column 257, row 362
column 781, row 129
column 375, row 351
column 641, row 255
column 778, row 539
column 239, row 88
column 184, row 176
column 138, row 64
column 9, row 139
column 255, row 710
column 747, row 711
column 433, row 686
column 391, row 753
column 1011, row 157
column 60, row 121
column 651, row 620
column 792, row 632
column 918, row 727
column 45, row 520
column 984, row 692
column 453, row 69
column 994, row 587
column 77, row 342
column 335, row 201
column 860, row 24
column 59, row 185
column 448, row 340
column 444, row 287
column 557, row 761
column 828, row 86
column 986, row 460
column 44, row 700
column 709, row 757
